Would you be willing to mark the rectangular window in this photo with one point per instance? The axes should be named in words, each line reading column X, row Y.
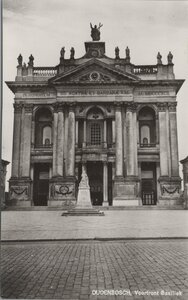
column 95, row 134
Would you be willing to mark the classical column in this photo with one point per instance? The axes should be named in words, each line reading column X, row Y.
column 71, row 142
column 105, row 134
column 84, row 137
column 132, row 161
column 164, row 155
column 60, row 140
column 113, row 132
column 16, row 140
column 55, row 121
column 105, row 183
column 77, row 133
column 25, row 168
column 173, row 140
column 119, row 141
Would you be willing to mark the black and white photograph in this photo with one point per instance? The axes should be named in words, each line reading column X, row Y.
column 94, row 155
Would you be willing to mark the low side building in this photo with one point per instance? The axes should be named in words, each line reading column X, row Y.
column 184, row 163
column 3, row 170
column 117, row 118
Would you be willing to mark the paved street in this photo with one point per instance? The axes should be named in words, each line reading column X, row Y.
column 39, row 225
column 76, row 270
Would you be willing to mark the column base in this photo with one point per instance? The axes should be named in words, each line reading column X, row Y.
column 19, row 192
column 170, row 191
column 126, row 191
column 62, row 192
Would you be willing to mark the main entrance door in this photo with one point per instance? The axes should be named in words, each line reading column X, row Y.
column 95, row 175
column 41, row 184
column 148, row 183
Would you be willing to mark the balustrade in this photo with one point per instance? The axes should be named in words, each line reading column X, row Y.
column 44, row 71
column 145, row 70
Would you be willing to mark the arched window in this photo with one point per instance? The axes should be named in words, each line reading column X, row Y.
column 47, row 135
column 147, row 127
column 95, row 127
column 95, row 134
column 145, row 134
column 43, row 127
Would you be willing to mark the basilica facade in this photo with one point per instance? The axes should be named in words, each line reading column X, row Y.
column 116, row 118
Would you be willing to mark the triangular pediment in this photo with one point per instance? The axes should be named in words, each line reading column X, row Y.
column 94, row 71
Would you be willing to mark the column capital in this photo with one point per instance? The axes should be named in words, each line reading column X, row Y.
column 28, row 108
column 162, row 106
column 18, row 107
column 71, row 106
column 131, row 106
column 118, row 105
column 58, row 107
column 172, row 106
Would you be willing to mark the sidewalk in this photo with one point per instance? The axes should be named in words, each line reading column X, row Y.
column 50, row 225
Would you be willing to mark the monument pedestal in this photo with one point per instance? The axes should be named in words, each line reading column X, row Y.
column 83, row 206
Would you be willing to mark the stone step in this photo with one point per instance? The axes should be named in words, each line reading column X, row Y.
column 102, row 208
column 83, row 212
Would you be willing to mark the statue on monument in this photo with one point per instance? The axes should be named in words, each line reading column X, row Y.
column 84, row 178
column 95, row 32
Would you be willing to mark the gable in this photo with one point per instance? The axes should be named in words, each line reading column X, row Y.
column 94, row 71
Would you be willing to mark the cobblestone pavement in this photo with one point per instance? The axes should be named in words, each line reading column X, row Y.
column 33, row 225
column 72, row 270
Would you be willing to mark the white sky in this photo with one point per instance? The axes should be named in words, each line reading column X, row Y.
column 42, row 27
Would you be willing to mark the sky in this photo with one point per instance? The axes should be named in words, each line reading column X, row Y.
column 43, row 27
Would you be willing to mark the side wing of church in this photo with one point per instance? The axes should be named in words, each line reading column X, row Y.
column 116, row 118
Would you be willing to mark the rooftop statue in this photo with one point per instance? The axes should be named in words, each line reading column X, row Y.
column 159, row 59
column 95, row 32
column 117, row 52
column 20, row 60
column 31, row 59
column 170, row 57
column 72, row 52
column 62, row 52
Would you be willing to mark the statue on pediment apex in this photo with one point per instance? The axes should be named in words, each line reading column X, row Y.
column 95, row 32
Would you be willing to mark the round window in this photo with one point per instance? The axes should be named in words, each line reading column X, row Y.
column 94, row 76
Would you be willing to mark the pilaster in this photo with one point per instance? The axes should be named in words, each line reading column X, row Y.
column 105, row 183
column 60, row 140
column 16, row 140
column 28, row 108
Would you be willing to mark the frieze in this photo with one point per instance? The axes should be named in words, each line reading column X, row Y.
column 95, row 92
column 62, row 190
column 170, row 190
column 153, row 93
column 38, row 95
column 19, row 192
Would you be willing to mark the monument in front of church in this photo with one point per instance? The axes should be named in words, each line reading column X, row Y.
column 116, row 118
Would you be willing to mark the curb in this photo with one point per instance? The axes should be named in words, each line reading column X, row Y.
column 96, row 239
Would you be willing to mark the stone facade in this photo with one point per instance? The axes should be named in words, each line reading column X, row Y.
column 184, row 163
column 117, row 118
column 3, row 170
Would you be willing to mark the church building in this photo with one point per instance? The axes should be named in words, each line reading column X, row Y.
column 116, row 118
